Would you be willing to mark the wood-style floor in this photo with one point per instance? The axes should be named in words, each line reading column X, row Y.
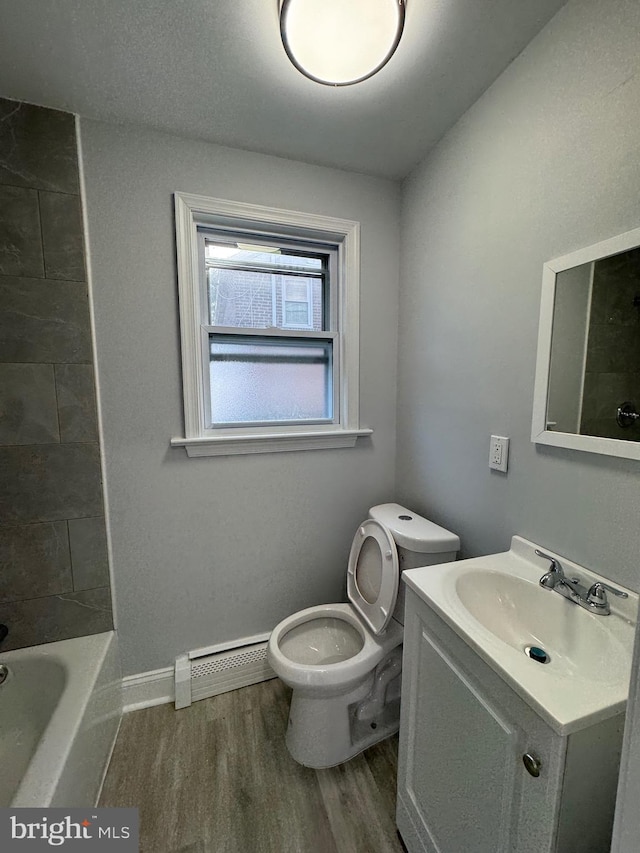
column 217, row 778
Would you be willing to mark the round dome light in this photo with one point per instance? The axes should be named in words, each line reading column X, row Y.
column 340, row 42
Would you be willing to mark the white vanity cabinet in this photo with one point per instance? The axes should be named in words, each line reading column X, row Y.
column 463, row 786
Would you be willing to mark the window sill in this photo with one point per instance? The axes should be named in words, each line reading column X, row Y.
column 269, row 443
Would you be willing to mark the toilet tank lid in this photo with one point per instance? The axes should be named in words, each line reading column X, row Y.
column 413, row 532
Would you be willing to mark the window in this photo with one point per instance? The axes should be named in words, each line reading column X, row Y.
column 299, row 305
column 269, row 327
column 259, row 371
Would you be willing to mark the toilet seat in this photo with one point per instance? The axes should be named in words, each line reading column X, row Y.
column 373, row 575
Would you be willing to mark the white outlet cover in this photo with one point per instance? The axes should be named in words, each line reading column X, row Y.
column 499, row 453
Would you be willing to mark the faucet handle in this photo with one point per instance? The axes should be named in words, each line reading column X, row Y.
column 555, row 565
column 597, row 595
column 554, row 575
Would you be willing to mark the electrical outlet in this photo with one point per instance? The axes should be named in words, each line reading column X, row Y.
column 499, row 453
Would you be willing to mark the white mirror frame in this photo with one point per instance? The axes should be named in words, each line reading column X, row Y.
column 539, row 432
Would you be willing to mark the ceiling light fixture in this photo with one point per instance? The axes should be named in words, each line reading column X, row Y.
column 341, row 42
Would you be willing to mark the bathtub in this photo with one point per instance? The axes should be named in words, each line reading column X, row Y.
column 60, row 708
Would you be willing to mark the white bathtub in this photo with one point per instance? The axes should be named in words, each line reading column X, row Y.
column 60, row 708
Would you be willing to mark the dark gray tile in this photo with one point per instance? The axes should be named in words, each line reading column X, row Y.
column 28, row 409
column 613, row 303
column 604, row 392
column 20, row 236
column 37, row 147
column 44, row 321
column 616, row 283
column 608, row 428
column 34, row 561
column 612, row 349
column 56, row 617
column 49, row 482
column 89, row 557
column 76, row 402
column 622, row 308
column 62, row 236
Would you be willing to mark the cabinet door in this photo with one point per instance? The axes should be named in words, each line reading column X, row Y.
column 458, row 773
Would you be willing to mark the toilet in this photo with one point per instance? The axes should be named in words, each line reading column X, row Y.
column 344, row 661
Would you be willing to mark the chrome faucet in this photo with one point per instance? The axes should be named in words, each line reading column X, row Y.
column 594, row 599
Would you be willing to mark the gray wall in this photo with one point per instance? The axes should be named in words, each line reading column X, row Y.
column 54, row 574
column 546, row 162
column 213, row 549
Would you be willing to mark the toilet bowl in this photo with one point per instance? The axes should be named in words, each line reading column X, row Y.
column 343, row 661
column 327, row 650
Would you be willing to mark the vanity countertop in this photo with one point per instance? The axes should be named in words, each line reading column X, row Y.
column 497, row 606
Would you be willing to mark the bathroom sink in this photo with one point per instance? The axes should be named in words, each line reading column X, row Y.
column 524, row 615
column 570, row 665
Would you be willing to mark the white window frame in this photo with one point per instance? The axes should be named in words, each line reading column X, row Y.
column 194, row 211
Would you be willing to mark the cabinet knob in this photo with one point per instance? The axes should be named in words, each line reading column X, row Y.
column 532, row 764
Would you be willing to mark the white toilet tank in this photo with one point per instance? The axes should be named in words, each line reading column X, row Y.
column 420, row 542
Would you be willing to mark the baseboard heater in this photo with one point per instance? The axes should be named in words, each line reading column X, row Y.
column 207, row 672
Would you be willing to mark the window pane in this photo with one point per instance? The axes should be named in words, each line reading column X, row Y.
column 230, row 252
column 297, row 291
column 255, row 300
column 296, row 314
column 269, row 380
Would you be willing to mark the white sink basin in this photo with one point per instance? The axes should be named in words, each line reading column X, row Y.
column 498, row 607
column 523, row 614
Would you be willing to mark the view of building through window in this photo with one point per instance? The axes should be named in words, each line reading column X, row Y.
column 259, row 289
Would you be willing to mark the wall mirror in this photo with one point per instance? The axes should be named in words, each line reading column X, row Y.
column 587, row 389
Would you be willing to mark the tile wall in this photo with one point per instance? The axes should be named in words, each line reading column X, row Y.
column 612, row 371
column 54, row 578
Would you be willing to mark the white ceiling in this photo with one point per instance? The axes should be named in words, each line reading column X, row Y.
column 216, row 70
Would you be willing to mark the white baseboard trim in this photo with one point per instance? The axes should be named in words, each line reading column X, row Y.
column 146, row 689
